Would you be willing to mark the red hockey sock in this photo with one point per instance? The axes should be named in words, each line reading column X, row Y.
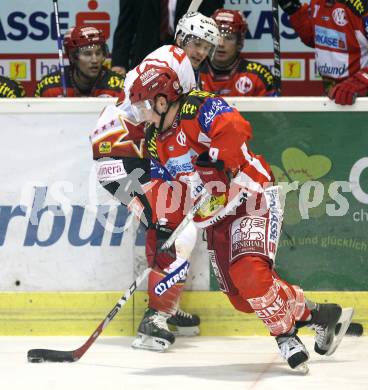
column 168, row 301
column 274, row 301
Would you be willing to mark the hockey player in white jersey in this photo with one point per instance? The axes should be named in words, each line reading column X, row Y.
column 118, row 142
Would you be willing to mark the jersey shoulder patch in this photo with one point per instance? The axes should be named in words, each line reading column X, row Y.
column 179, row 54
column 260, row 70
column 210, row 109
column 192, row 103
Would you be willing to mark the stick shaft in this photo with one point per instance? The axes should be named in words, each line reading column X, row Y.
column 276, row 47
column 60, row 48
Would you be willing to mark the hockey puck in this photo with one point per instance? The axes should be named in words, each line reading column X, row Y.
column 354, row 329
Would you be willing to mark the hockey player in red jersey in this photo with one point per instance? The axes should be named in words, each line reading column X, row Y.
column 11, row 88
column 118, row 144
column 338, row 31
column 227, row 73
column 199, row 147
column 86, row 75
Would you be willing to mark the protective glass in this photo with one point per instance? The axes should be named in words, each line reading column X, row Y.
column 200, row 45
column 143, row 111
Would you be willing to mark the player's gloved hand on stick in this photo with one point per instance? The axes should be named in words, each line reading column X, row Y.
column 156, row 237
column 289, row 6
column 347, row 91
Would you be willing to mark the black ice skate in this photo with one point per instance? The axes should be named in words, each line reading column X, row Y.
column 184, row 324
column 293, row 351
column 325, row 321
column 153, row 333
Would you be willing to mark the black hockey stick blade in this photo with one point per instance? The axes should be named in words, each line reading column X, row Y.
column 49, row 355
column 354, row 329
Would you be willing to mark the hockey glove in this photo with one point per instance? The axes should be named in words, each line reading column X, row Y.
column 290, row 6
column 155, row 238
column 347, row 91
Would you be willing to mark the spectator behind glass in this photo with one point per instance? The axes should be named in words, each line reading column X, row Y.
column 338, row 32
column 227, row 73
column 11, row 88
column 145, row 25
column 86, row 75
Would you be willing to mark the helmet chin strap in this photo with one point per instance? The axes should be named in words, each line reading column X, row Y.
column 162, row 116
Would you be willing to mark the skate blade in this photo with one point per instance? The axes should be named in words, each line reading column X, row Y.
column 302, row 369
column 187, row 331
column 150, row 343
column 345, row 319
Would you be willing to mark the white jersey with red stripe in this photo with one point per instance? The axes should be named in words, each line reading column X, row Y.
column 117, row 133
column 168, row 55
column 338, row 34
column 205, row 122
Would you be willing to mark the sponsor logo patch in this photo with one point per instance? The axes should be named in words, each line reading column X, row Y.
column 104, row 147
column 110, row 170
column 179, row 275
column 248, row 236
column 210, row 110
column 327, row 37
column 180, row 164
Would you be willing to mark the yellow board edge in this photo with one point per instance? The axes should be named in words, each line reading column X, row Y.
column 79, row 313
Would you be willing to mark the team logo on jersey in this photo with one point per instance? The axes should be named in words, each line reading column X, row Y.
column 104, row 147
column 181, row 138
column 244, row 85
column 339, row 17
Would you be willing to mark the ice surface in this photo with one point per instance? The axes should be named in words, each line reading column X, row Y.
column 213, row 363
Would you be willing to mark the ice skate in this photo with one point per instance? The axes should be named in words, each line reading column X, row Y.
column 293, row 351
column 325, row 318
column 184, row 324
column 153, row 333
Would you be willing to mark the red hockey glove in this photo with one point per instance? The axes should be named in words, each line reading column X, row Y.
column 155, row 238
column 212, row 174
column 347, row 91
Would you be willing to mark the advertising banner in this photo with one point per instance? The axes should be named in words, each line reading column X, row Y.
column 59, row 229
column 324, row 242
column 29, row 46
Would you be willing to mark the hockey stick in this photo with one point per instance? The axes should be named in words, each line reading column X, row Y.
column 276, row 47
column 174, row 235
column 194, row 5
column 60, row 47
column 50, row 355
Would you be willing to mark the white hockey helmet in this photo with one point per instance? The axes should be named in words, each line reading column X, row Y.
column 194, row 24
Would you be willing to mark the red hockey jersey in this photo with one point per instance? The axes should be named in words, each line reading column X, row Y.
column 246, row 78
column 108, row 84
column 205, row 122
column 338, row 34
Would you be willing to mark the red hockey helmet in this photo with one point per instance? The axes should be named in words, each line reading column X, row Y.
column 81, row 36
column 231, row 21
column 153, row 81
